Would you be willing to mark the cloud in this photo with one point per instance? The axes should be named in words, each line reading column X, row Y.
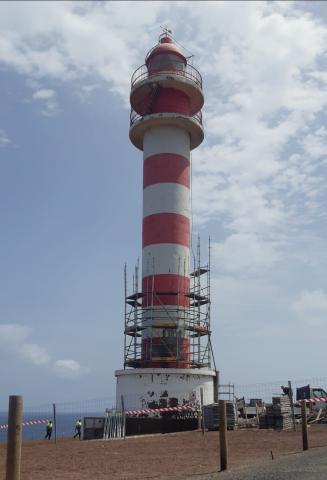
column 4, row 139
column 244, row 253
column 86, row 91
column 307, row 311
column 260, row 175
column 311, row 307
column 34, row 353
column 247, row 158
column 13, row 338
column 13, row 334
column 43, row 94
column 47, row 98
column 69, row 369
column 74, row 40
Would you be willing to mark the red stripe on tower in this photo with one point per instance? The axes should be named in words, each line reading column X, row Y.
column 166, row 228
column 165, row 289
column 168, row 168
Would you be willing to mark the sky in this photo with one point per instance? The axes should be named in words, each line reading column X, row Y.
column 71, row 187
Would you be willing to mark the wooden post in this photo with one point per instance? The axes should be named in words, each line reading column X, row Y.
column 55, row 421
column 223, row 435
column 304, row 426
column 14, row 438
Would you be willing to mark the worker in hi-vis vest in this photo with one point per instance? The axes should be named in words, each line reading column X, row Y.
column 49, row 428
column 78, row 428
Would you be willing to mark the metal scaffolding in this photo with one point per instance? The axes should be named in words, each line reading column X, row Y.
column 193, row 319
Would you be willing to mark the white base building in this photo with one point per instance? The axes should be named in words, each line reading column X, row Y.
column 161, row 387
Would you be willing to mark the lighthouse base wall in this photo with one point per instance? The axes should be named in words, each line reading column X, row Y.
column 162, row 387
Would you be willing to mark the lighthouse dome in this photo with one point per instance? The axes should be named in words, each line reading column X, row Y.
column 165, row 55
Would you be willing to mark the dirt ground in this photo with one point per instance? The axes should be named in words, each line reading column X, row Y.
column 171, row 456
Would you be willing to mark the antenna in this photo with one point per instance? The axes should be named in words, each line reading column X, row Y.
column 169, row 33
column 165, row 29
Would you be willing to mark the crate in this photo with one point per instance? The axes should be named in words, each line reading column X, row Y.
column 93, row 428
column 211, row 416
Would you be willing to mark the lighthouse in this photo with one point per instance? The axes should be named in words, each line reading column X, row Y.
column 167, row 348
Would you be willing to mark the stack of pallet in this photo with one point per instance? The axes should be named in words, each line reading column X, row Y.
column 278, row 415
column 231, row 417
column 211, row 416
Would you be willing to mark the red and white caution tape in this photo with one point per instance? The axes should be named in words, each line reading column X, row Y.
column 129, row 412
column 159, row 410
column 29, row 423
column 312, row 400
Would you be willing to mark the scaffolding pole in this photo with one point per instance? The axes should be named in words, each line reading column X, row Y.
column 187, row 317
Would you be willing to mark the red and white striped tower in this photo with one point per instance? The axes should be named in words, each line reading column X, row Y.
column 166, row 97
column 166, row 124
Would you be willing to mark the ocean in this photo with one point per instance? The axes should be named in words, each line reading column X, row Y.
column 65, row 425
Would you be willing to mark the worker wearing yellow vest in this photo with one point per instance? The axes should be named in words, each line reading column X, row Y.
column 48, row 427
column 78, row 428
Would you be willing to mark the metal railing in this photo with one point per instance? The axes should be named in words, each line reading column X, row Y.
column 174, row 68
column 135, row 117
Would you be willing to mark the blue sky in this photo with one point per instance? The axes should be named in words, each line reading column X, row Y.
column 71, row 186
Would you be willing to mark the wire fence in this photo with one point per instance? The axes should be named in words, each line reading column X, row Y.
column 250, row 442
column 266, row 391
column 67, row 413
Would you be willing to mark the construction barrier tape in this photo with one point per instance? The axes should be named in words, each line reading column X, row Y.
column 159, row 410
column 129, row 412
column 27, row 424
column 312, row 400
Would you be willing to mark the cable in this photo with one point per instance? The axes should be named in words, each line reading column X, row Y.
column 168, row 32
column 191, row 195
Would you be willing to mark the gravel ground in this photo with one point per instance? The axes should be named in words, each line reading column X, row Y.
column 159, row 457
column 310, row 465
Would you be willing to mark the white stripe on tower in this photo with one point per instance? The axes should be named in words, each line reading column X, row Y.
column 166, row 204
column 166, row 198
column 168, row 258
column 166, row 140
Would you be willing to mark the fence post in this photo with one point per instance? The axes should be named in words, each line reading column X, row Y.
column 223, row 435
column 14, row 437
column 304, row 426
column 55, row 421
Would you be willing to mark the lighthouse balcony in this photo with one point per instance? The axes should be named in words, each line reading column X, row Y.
column 175, row 68
column 135, row 117
column 139, row 124
column 146, row 81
